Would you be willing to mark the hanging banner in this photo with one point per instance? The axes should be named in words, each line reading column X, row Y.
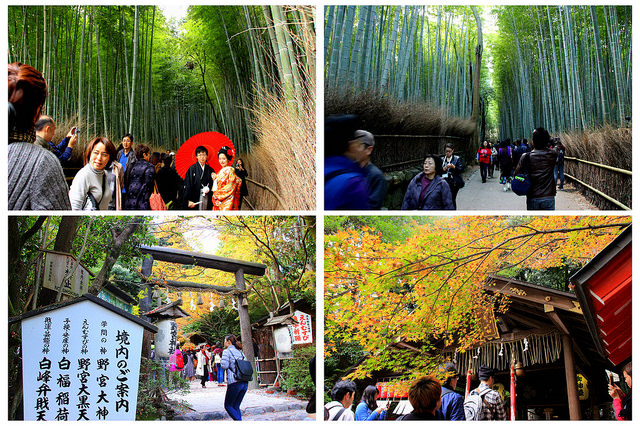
column 301, row 331
column 80, row 362
column 166, row 338
column 57, row 266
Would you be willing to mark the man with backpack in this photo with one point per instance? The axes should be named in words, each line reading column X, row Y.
column 484, row 403
column 452, row 407
column 342, row 396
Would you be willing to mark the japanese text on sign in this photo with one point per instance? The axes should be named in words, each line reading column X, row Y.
column 88, row 371
column 301, row 332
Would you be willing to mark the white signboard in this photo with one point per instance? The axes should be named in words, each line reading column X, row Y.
column 80, row 362
column 301, row 332
column 57, row 266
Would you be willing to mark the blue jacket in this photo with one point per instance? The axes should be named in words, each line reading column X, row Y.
column 345, row 185
column 364, row 413
column 452, row 405
column 62, row 151
column 438, row 196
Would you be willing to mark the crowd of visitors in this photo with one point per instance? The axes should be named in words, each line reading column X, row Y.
column 212, row 365
column 437, row 398
column 430, row 398
column 123, row 178
column 353, row 182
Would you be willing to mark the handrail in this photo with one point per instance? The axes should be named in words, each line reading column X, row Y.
column 270, row 190
column 603, row 166
column 600, row 193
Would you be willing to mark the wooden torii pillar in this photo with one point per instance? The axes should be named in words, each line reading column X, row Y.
column 238, row 267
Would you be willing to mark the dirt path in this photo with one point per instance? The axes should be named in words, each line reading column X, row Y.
column 490, row 196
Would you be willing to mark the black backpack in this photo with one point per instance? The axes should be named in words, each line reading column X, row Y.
column 243, row 370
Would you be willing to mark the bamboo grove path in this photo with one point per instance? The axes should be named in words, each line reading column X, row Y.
column 490, row 196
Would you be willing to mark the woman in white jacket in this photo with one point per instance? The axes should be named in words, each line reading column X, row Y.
column 204, row 365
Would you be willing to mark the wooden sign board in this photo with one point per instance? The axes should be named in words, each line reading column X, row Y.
column 57, row 266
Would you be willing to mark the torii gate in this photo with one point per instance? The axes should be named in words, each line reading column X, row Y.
column 238, row 267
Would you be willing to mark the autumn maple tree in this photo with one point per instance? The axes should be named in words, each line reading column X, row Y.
column 427, row 288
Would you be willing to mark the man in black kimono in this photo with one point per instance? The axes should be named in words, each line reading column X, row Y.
column 198, row 177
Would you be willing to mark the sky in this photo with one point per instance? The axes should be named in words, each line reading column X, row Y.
column 174, row 10
column 200, row 236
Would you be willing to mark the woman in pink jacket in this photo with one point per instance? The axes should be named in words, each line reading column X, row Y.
column 622, row 402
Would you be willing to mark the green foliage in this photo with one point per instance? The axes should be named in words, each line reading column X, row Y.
column 393, row 229
column 295, row 372
column 344, row 355
column 217, row 324
column 556, row 277
column 100, row 238
column 155, row 381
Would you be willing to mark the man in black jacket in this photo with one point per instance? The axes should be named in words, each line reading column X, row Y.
column 198, row 180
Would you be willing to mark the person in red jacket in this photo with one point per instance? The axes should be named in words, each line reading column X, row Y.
column 484, row 158
column 622, row 402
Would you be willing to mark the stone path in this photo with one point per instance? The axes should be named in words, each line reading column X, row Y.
column 208, row 404
column 490, row 196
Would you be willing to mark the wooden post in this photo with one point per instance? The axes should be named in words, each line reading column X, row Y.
column 245, row 327
column 570, row 374
column 145, row 306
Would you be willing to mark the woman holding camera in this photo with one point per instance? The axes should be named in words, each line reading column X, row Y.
column 368, row 408
column 622, row 402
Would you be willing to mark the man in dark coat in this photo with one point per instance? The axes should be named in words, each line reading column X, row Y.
column 169, row 181
column 542, row 162
column 197, row 179
column 377, row 183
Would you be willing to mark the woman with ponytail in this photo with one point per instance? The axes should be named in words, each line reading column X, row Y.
column 236, row 389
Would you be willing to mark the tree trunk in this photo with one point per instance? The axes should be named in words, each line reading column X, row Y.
column 67, row 231
column 119, row 238
column 132, row 99
column 476, row 78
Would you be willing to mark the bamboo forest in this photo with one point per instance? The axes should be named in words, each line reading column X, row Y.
column 466, row 74
column 247, row 72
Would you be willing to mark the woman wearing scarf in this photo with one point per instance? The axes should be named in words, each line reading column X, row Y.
column 204, row 365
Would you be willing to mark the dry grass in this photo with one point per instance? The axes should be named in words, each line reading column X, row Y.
column 284, row 156
column 609, row 146
column 383, row 115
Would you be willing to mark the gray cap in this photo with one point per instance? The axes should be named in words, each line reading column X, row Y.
column 365, row 137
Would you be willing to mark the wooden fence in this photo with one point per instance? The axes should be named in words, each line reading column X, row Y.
column 606, row 187
column 400, row 152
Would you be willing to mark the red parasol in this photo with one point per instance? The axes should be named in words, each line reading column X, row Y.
column 213, row 141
